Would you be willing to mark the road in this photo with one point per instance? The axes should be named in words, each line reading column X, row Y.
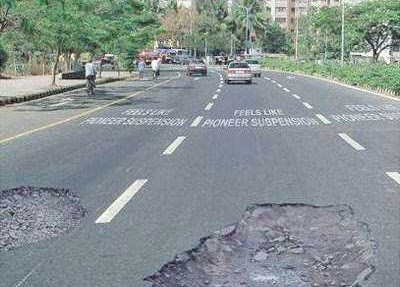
column 160, row 165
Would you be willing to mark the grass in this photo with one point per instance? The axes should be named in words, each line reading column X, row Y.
column 377, row 76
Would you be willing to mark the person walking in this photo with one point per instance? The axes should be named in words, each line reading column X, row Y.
column 90, row 75
column 141, row 68
column 155, row 66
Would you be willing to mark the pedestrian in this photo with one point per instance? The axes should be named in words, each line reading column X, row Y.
column 141, row 68
column 155, row 66
column 90, row 75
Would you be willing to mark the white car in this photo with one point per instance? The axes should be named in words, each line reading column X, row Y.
column 238, row 71
column 255, row 67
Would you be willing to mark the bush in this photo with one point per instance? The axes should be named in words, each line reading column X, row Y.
column 377, row 75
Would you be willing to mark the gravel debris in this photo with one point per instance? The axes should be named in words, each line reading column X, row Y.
column 287, row 245
column 30, row 214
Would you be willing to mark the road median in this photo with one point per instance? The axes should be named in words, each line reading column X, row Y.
column 52, row 91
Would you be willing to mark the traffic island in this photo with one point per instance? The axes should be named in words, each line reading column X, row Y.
column 287, row 245
column 30, row 214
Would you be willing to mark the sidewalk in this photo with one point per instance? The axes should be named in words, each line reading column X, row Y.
column 21, row 89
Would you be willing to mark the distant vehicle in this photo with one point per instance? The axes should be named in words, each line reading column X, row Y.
column 148, row 56
column 196, row 67
column 238, row 71
column 77, row 74
column 255, row 67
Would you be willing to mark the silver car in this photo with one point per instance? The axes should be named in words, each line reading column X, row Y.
column 238, row 71
column 255, row 67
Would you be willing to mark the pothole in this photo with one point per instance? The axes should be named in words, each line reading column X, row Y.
column 289, row 245
column 30, row 214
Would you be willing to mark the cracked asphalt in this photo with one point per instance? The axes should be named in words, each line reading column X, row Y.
column 158, row 165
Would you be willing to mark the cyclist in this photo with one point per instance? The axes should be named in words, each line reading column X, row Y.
column 90, row 75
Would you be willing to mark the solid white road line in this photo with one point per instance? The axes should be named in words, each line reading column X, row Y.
column 209, row 106
column 307, row 105
column 196, row 121
column 351, row 142
column 172, row 147
column 395, row 176
column 323, row 119
column 215, row 97
column 286, row 90
column 296, row 96
column 120, row 202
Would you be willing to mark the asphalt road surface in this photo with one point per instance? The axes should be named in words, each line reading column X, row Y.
column 159, row 165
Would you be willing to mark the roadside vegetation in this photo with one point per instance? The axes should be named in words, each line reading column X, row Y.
column 371, row 26
column 376, row 76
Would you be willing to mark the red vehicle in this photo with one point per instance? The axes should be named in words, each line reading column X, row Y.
column 196, row 67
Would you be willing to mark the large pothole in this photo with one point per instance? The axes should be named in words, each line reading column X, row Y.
column 289, row 245
column 29, row 214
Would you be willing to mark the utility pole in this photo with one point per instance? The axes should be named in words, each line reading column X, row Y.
column 297, row 33
column 248, row 9
column 231, row 44
column 342, row 52
column 205, row 48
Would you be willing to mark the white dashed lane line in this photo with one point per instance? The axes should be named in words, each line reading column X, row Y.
column 351, row 142
column 209, row 106
column 307, row 105
column 323, row 119
column 286, row 90
column 121, row 201
column 267, row 78
column 279, row 85
column 395, row 176
column 296, row 96
column 172, row 147
column 196, row 121
column 219, row 90
column 273, row 81
column 215, row 97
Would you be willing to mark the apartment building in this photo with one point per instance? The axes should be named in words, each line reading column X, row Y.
column 284, row 12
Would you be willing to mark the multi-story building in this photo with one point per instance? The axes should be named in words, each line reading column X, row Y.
column 285, row 12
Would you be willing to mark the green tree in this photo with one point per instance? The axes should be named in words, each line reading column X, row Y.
column 276, row 40
column 374, row 23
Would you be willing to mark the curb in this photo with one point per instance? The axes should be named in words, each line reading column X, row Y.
column 52, row 91
column 386, row 93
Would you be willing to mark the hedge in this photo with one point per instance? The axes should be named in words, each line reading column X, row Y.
column 377, row 76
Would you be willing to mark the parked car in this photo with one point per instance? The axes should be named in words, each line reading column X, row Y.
column 77, row 74
column 255, row 67
column 238, row 71
column 196, row 67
